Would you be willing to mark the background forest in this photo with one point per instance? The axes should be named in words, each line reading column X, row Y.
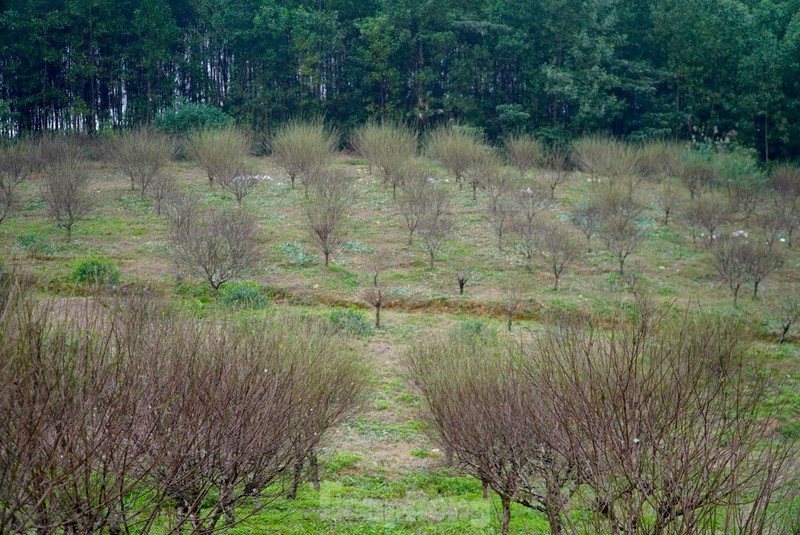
column 559, row 68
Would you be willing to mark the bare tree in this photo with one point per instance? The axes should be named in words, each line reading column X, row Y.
column 436, row 223
column 586, row 216
column 771, row 222
column 482, row 409
column 789, row 315
column 708, row 213
column 65, row 192
column 481, row 169
column 524, row 152
column 303, row 149
column 559, row 248
column 162, row 188
column 455, row 147
column 789, row 212
column 387, row 146
column 658, row 160
column 760, row 261
column 729, row 256
column 528, row 203
column 605, row 156
column 661, row 437
column 417, row 191
column 142, row 155
column 556, row 164
column 374, row 294
column 619, row 225
column 463, row 271
column 16, row 163
column 220, row 152
column 512, row 300
column 218, row 245
column 697, row 171
column 669, row 198
column 330, row 198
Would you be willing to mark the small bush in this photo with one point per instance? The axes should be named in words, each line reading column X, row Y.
column 35, row 245
column 472, row 328
column 350, row 320
column 95, row 271
column 243, row 295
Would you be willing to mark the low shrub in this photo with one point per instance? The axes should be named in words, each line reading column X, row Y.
column 243, row 295
column 350, row 320
column 96, row 272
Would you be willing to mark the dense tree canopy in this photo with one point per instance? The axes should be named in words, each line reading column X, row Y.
column 652, row 68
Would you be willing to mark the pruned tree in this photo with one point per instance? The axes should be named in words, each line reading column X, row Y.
column 387, row 146
column 65, row 192
column 221, row 152
column 669, row 198
column 481, row 169
column 455, row 147
column 697, row 171
column 330, row 198
column 417, row 191
column 789, row 315
column 708, row 212
column 142, row 154
column 559, row 248
column 658, row 160
column 374, row 294
column 760, row 261
column 619, row 224
column 304, row 149
column 482, row 409
column 662, row 439
column 17, row 160
column 788, row 211
column 218, row 245
column 729, row 256
column 528, row 203
column 524, row 152
column 770, row 221
column 604, row 156
column 555, row 162
column 436, row 223
column 512, row 299
column 586, row 216
column 463, row 272
column 163, row 186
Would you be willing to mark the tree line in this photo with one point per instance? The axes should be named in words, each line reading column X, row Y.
column 653, row 69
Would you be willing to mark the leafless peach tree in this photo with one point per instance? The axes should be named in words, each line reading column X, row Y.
column 558, row 247
column 455, row 147
column 17, row 160
column 218, row 245
column 528, row 203
column 221, row 152
column 303, row 149
column 128, row 415
column 386, row 146
column 524, row 152
column 65, row 191
column 708, row 213
column 435, row 223
column 555, row 162
column 656, row 425
column 416, row 192
column 142, row 155
column 330, row 198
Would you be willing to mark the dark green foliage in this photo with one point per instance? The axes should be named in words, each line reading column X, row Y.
column 690, row 69
column 95, row 272
column 185, row 117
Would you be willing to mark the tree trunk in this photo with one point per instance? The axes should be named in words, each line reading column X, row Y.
column 378, row 316
column 314, row 465
column 485, row 489
column 461, row 284
column 506, row 520
column 298, row 470
column 431, row 262
column 327, row 258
